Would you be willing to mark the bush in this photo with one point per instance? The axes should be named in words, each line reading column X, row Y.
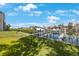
column 26, row 30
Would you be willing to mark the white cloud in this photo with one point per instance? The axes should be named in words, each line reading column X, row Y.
column 12, row 14
column 2, row 4
column 53, row 19
column 75, row 11
column 27, row 7
column 18, row 25
column 64, row 12
column 37, row 13
column 61, row 12
column 34, row 13
column 30, row 14
column 19, row 8
column 67, row 12
column 73, row 20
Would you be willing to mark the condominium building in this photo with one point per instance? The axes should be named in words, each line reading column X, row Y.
column 2, row 21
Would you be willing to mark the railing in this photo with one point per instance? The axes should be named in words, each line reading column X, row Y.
column 67, row 40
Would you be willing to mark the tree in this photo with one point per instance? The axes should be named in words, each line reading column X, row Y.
column 70, row 29
column 8, row 27
column 60, row 25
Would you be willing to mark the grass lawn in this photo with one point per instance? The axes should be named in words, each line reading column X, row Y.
column 23, row 44
column 7, row 37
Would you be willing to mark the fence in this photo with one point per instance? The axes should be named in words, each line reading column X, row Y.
column 67, row 40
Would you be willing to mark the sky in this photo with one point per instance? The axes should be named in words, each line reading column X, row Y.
column 40, row 14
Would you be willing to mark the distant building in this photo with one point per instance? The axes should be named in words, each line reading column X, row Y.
column 61, row 29
column 77, row 28
column 2, row 21
column 40, row 29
